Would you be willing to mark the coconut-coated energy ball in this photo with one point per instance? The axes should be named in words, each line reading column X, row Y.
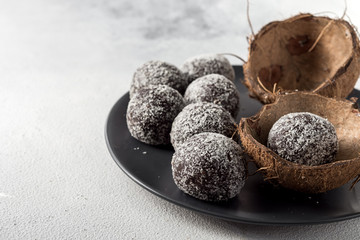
column 209, row 166
column 304, row 138
column 216, row 89
column 158, row 73
column 205, row 64
column 151, row 111
column 201, row 117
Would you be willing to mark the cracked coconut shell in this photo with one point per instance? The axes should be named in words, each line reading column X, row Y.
column 305, row 53
column 345, row 117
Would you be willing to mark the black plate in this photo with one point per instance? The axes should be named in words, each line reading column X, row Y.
column 258, row 202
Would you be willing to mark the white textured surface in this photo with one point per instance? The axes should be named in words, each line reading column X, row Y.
column 63, row 64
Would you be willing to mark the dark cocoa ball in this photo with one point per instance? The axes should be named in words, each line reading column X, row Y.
column 205, row 64
column 304, row 138
column 151, row 111
column 158, row 73
column 214, row 88
column 209, row 166
column 201, row 117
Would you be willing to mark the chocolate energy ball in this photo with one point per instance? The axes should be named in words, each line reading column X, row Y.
column 304, row 138
column 209, row 166
column 216, row 89
column 201, row 117
column 158, row 73
column 205, row 64
column 151, row 112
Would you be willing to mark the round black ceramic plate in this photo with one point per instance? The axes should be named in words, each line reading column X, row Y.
column 258, row 202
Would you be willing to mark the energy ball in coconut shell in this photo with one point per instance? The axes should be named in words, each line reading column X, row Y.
column 342, row 114
column 158, row 73
column 304, row 138
column 214, row 88
column 305, row 53
column 209, row 166
column 151, row 111
column 205, row 64
column 201, row 117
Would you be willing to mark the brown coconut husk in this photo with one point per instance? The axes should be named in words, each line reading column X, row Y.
column 305, row 53
column 343, row 114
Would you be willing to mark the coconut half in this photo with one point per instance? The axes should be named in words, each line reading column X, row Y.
column 305, row 53
column 345, row 117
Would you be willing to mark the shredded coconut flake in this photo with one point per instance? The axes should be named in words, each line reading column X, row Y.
column 158, row 73
column 205, row 64
column 304, row 138
column 201, row 117
column 214, row 88
column 151, row 112
column 209, row 166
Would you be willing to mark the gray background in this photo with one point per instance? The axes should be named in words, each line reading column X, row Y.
column 63, row 64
